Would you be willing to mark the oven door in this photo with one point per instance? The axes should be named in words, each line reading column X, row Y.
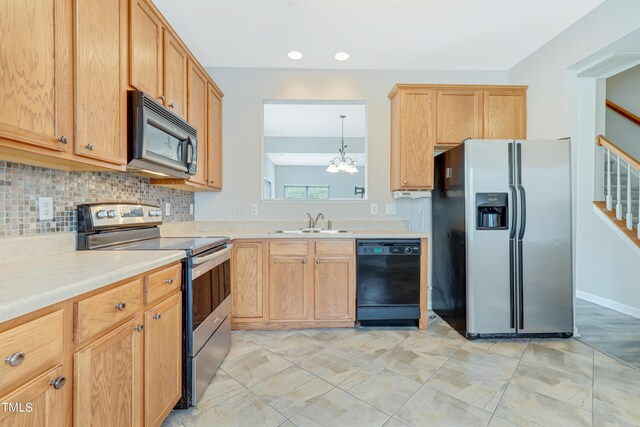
column 211, row 288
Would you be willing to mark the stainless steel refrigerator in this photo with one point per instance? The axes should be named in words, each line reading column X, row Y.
column 502, row 262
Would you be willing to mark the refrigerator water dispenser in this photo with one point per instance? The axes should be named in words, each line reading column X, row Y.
column 492, row 211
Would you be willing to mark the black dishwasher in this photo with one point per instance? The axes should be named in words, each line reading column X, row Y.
column 388, row 282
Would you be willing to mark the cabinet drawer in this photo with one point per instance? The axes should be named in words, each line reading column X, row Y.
column 161, row 283
column 335, row 247
column 295, row 247
column 30, row 346
column 100, row 312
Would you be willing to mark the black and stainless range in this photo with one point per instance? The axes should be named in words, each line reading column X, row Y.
column 206, row 301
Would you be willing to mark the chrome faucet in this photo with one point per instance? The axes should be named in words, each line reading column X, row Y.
column 314, row 222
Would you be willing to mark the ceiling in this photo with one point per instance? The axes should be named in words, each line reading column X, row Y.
column 319, row 119
column 379, row 34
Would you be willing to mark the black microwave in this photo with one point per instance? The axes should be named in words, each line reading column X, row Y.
column 160, row 142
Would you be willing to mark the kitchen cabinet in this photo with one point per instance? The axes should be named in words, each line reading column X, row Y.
column 459, row 116
column 145, row 49
column 425, row 117
column 197, row 117
column 413, row 135
column 108, row 375
column 214, row 137
column 41, row 402
column 247, row 284
column 504, row 114
column 36, row 91
column 175, row 75
column 100, row 100
column 288, row 288
column 334, row 287
column 162, row 359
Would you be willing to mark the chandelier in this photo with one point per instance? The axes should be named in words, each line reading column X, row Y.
column 342, row 163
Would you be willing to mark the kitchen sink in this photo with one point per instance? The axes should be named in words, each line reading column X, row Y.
column 313, row 231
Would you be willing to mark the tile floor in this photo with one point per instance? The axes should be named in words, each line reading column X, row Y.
column 397, row 377
column 609, row 331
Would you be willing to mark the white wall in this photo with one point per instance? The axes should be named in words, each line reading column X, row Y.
column 561, row 104
column 269, row 172
column 245, row 90
column 341, row 185
column 624, row 90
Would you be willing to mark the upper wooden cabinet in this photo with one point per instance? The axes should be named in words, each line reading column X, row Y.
column 175, row 75
column 459, row 116
column 427, row 116
column 413, row 135
column 197, row 117
column 145, row 49
column 505, row 114
column 36, row 90
column 214, row 137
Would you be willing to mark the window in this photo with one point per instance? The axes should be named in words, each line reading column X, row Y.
column 298, row 192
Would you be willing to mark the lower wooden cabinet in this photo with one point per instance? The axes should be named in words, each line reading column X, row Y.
column 162, row 359
column 288, row 288
column 38, row 403
column 108, row 379
column 305, row 283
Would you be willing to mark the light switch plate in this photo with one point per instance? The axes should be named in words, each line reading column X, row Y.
column 390, row 209
column 254, row 209
column 240, row 210
column 420, row 210
column 190, row 208
column 167, row 209
column 45, row 208
column 374, row 209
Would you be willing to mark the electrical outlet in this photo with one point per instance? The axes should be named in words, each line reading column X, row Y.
column 390, row 209
column 420, row 210
column 45, row 208
column 374, row 209
column 167, row 209
column 190, row 208
column 240, row 210
column 254, row 209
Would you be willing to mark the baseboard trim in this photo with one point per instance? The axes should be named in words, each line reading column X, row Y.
column 613, row 305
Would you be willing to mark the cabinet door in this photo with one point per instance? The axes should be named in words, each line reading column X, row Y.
column 145, row 49
column 163, row 359
column 100, row 113
column 214, row 131
column 247, row 281
column 505, row 115
column 175, row 75
column 417, row 139
column 288, row 288
column 334, row 288
column 459, row 116
column 36, row 91
column 108, row 379
column 39, row 403
column 197, row 117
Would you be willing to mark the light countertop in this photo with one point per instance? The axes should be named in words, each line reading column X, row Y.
column 31, row 284
column 360, row 234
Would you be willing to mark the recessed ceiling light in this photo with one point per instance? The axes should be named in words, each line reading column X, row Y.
column 342, row 56
column 295, row 55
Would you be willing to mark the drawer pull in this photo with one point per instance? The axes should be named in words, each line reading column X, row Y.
column 59, row 382
column 139, row 328
column 171, row 105
column 121, row 305
column 89, row 147
column 169, row 281
column 158, row 316
column 64, row 139
column 15, row 359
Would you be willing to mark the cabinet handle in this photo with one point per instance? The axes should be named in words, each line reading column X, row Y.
column 89, row 147
column 158, row 316
column 162, row 97
column 121, row 305
column 171, row 105
column 169, row 281
column 317, row 261
column 404, row 182
column 64, row 139
column 15, row 359
column 304, row 261
column 139, row 328
column 58, row 383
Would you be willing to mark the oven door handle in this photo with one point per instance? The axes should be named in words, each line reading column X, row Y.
column 222, row 256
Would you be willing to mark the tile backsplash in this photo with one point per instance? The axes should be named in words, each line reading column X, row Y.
column 21, row 185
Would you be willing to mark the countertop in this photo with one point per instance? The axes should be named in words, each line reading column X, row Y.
column 31, row 284
column 359, row 234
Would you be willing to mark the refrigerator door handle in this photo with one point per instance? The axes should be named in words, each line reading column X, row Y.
column 512, row 282
column 523, row 212
column 521, row 229
column 512, row 237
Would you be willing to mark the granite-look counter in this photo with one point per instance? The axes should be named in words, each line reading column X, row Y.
column 31, row 284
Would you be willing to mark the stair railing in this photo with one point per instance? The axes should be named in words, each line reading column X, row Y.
column 623, row 159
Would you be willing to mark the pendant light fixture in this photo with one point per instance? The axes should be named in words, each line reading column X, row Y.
column 342, row 163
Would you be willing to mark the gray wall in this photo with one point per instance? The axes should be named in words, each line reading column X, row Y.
column 624, row 90
column 341, row 185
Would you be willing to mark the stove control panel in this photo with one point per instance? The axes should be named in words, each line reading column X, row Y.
column 101, row 216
